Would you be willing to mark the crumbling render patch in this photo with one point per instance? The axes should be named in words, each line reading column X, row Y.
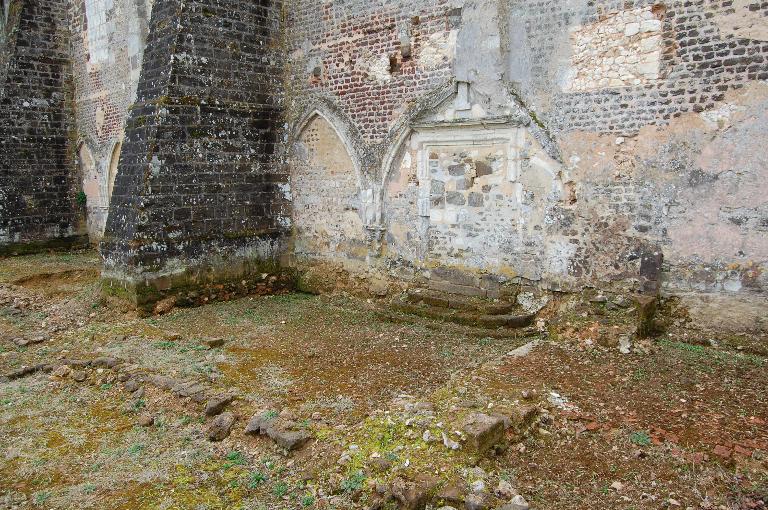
column 438, row 49
column 621, row 51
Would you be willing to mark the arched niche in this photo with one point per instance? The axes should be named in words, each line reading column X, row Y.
column 471, row 195
column 328, row 206
column 92, row 187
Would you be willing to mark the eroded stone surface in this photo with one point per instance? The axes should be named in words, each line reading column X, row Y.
column 483, row 431
column 220, row 427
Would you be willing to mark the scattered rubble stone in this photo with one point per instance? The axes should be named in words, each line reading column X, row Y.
column 61, row 372
column 190, row 389
column 451, row 494
column 477, row 486
column 413, row 495
column 165, row 305
column 285, row 432
column 381, row 465
column 517, row 503
column 26, row 341
column 504, row 490
column 622, row 302
column 475, row 502
column 23, row 372
column 221, row 427
column 625, row 345
column 288, row 437
column 259, row 423
column 379, row 288
column 76, row 363
column 217, row 404
column 162, row 382
column 213, row 343
column 131, row 385
column 105, row 362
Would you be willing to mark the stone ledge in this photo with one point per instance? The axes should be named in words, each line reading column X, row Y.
column 56, row 244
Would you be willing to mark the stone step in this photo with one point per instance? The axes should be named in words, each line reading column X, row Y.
column 457, row 302
column 467, row 318
column 389, row 314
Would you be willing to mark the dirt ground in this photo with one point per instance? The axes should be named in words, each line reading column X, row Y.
column 679, row 422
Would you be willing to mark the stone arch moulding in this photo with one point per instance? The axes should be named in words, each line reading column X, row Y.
column 112, row 167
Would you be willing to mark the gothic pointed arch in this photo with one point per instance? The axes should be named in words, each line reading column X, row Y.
column 329, row 205
column 346, row 130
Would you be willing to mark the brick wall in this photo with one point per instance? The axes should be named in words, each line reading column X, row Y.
column 351, row 51
column 108, row 38
column 38, row 204
column 699, row 63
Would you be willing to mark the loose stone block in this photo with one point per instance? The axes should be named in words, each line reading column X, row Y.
column 483, row 431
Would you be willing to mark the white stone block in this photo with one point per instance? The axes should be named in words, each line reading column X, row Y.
column 651, row 25
column 631, row 29
column 648, row 68
column 650, row 43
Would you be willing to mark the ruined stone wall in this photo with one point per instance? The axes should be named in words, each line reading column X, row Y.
column 38, row 196
column 198, row 198
column 560, row 144
column 108, row 38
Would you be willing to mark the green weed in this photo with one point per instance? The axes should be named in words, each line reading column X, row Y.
column 354, row 482
column 280, row 489
column 256, row 478
column 640, row 438
column 234, row 459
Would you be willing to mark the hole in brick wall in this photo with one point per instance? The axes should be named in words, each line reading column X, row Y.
column 394, row 64
column 659, row 10
column 454, row 17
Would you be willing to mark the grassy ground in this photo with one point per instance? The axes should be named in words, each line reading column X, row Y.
column 672, row 424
